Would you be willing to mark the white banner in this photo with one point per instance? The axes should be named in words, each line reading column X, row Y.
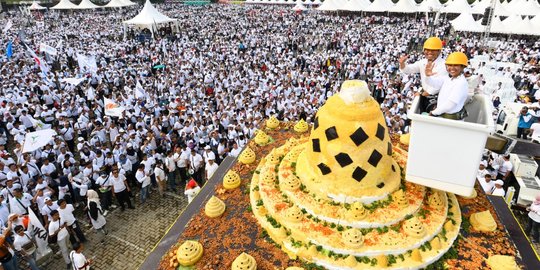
column 37, row 139
column 74, row 81
column 39, row 125
column 87, row 63
column 40, row 234
column 47, row 49
column 139, row 91
column 8, row 25
column 112, row 108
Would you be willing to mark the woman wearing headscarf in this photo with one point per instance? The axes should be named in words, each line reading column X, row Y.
column 534, row 220
column 94, row 212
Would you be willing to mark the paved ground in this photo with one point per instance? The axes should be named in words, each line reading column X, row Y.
column 132, row 234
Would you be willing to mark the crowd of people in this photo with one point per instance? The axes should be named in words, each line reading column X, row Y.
column 191, row 98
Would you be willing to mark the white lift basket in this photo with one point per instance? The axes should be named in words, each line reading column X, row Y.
column 444, row 154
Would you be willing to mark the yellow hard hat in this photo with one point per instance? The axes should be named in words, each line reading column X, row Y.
column 457, row 58
column 433, row 43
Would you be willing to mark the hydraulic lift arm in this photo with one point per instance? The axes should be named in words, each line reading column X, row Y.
column 501, row 144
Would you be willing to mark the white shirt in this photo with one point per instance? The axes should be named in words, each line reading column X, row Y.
column 506, row 167
column 160, row 174
column 20, row 241
column 420, row 67
column 487, row 187
column 536, row 130
column 118, row 183
column 66, row 214
column 211, row 169
column 453, row 94
column 498, row 192
column 191, row 193
column 142, row 178
column 46, row 210
column 54, row 225
column 78, row 260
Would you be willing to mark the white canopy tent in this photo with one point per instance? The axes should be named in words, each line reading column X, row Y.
column 299, row 7
column 524, row 7
column 150, row 18
column 429, row 6
column 128, row 3
column 36, row 6
column 329, row 5
column 516, row 25
column 404, row 6
column 501, row 9
column 117, row 3
column 479, row 7
column 497, row 26
column 356, row 5
column 379, row 6
column 466, row 23
column 535, row 24
column 65, row 4
column 457, row 6
column 86, row 4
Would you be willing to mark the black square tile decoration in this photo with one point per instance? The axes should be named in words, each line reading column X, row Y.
column 389, row 152
column 380, row 132
column 316, row 145
column 380, row 185
column 316, row 123
column 343, row 159
column 393, row 168
column 359, row 174
column 374, row 158
column 324, row 169
column 331, row 133
column 359, row 136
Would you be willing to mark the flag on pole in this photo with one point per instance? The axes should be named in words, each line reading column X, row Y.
column 40, row 235
column 42, row 64
column 47, row 49
column 73, row 81
column 38, row 125
column 112, row 108
column 9, row 49
column 8, row 25
column 140, row 93
column 37, row 139
column 87, row 63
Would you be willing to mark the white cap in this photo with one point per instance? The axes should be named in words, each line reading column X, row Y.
column 129, row 145
column 207, row 147
column 498, row 182
column 80, row 139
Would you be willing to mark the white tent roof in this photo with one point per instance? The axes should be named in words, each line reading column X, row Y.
column 429, row 5
column 65, row 4
column 86, row 4
column 516, row 25
column 299, row 7
column 457, row 6
column 35, row 6
column 356, row 5
column 501, row 10
column 116, row 3
column 466, row 23
column 149, row 16
column 404, row 6
column 524, row 7
column 535, row 24
column 379, row 6
column 479, row 7
column 497, row 25
column 128, row 3
column 329, row 5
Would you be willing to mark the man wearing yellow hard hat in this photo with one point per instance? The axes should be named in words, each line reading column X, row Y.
column 432, row 54
column 453, row 88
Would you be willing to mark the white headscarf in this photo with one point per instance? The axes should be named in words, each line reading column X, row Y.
column 92, row 196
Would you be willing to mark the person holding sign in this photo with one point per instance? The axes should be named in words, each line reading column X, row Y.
column 454, row 88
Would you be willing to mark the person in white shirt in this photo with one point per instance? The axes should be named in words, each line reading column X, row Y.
column 78, row 260
column 432, row 53
column 26, row 246
column 21, row 201
column 143, row 178
column 486, row 183
column 191, row 190
column 535, row 129
column 454, row 89
column 46, row 210
column 4, row 211
column 105, row 188
column 208, row 154
column 160, row 177
column 533, row 225
column 235, row 151
column 210, row 168
column 170, row 165
column 196, row 164
column 66, row 214
column 57, row 228
column 120, row 189
column 498, row 190
column 505, row 168
column 482, row 171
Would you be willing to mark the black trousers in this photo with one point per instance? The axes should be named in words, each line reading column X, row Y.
column 75, row 230
column 123, row 198
column 106, row 199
